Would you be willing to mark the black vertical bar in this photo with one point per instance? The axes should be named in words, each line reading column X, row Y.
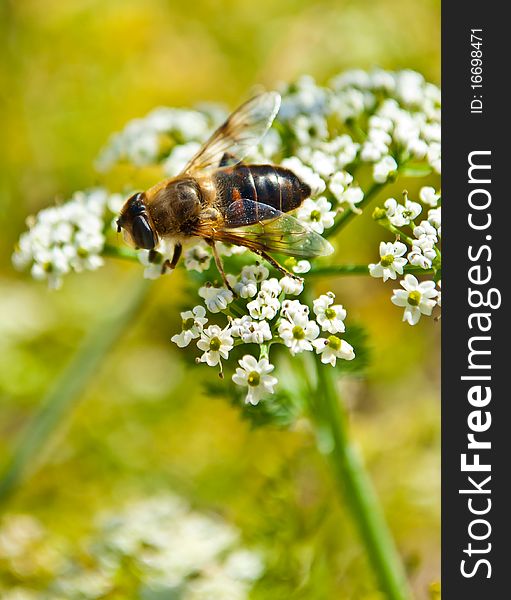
column 475, row 120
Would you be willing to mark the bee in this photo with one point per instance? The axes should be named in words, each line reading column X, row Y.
column 219, row 198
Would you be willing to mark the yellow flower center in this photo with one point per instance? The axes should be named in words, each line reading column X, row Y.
column 315, row 215
column 379, row 213
column 188, row 323
column 215, row 344
column 254, row 379
column 330, row 313
column 334, row 342
column 387, row 260
column 298, row 332
column 414, row 298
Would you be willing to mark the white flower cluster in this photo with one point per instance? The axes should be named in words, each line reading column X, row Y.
column 423, row 252
column 404, row 122
column 68, row 237
column 262, row 315
column 169, row 134
column 386, row 119
column 154, row 546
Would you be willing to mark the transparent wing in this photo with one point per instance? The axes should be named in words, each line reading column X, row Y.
column 242, row 131
column 261, row 227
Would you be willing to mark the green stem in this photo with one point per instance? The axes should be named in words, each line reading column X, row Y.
column 354, row 481
column 337, row 270
column 359, row 270
column 348, row 214
column 120, row 252
column 62, row 398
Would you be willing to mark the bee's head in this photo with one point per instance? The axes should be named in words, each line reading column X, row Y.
column 138, row 227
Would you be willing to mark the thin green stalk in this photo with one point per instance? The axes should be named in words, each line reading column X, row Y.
column 63, row 397
column 337, row 270
column 348, row 214
column 359, row 270
column 120, row 252
column 356, row 486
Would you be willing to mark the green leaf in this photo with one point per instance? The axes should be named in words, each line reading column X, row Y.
column 358, row 337
column 280, row 409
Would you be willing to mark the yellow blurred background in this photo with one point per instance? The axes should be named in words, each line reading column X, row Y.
column 72, row 73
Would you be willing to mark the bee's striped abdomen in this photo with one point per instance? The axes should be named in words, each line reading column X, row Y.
column 267, row 184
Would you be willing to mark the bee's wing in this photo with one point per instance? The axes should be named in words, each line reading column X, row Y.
column 261, row 227
column 234, row 138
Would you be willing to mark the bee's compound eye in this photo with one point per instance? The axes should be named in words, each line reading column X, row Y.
column 143, row 235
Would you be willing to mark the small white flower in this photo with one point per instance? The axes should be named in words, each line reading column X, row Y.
column 417, row 148
column 251, row 332
column 399, row 214
column 323, row 163
column 250, row 276
column 229, row 249
column 384, row 168
column 439, row 294
column 144, row 148
column 353, row 196
column 435, row 156
column 379, row 136
column 216, row 299
column 332, row 348
column 197, row 258
column 216, row 343
column 245, row 288
column 302, row 266
column 306, row 174
column 255, row 376
column 297, row 331
column 264, row 306
column 316, row 214
column 292, row 308
column 244, row 565
column 423, row 253
column 339, row 184
column 193, row 322
column 328, row 316
column 416, row 298
column 409, row 87
column 343, row 148
column 179, row 157
column 271, row 287
column 350, row 103
column 428, row 195
column 435, row 218
column 432, row 132
column 291, row 285
column 391, row 262
column 152, row 269
column 382, row 123
column 308, row 128
column 406, row 129
column 373, row 151
column 426, row 231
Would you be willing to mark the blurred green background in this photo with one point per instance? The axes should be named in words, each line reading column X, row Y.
column 73, row 72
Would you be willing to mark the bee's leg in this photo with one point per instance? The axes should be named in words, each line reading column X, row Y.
column 276, row 264
column 171, row 264
column 220, row 266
